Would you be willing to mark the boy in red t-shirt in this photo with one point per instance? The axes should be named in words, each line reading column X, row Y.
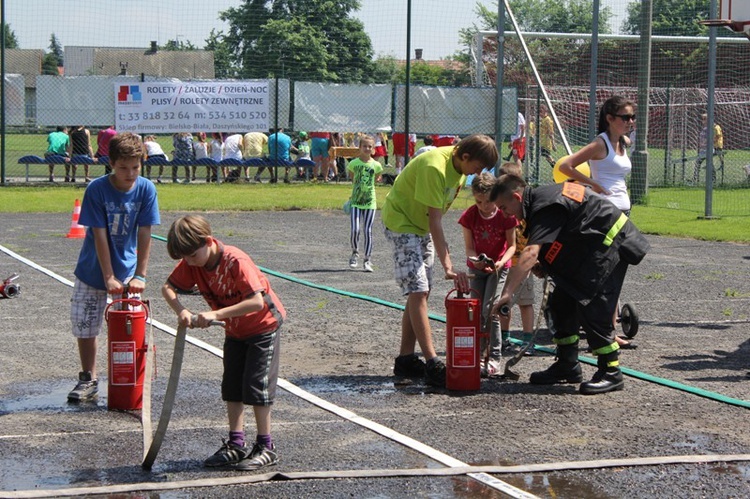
column 488, row 231
column 241, row 296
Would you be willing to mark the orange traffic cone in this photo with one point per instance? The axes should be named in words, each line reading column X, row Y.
column 77, row 231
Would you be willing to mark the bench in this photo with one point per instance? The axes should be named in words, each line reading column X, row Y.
column 57, row 159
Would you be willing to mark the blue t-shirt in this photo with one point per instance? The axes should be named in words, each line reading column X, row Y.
column 285, row 144
column 121, row 213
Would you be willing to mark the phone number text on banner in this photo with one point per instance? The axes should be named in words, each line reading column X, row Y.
column 167, row 107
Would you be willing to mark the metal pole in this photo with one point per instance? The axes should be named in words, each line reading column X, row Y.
column 710, row 122
column 538, row 136
column 594, row 67
column 408, row 81
column 639, row 178
column 667, row 142
column 499, row 74
column 2, row 93
column 275, row 172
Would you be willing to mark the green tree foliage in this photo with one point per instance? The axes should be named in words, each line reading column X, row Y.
column 56, row 50
column 548, row 16
column 223, row 67
column 687, row 62
column 315, row 40
column 450, row 73
column 54, row 58
column 670, row 17
column 11, row 42
column 386, row 69
column 177, row 45
column 551, row 16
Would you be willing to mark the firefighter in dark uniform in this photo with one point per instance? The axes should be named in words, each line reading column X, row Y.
column 585, row 244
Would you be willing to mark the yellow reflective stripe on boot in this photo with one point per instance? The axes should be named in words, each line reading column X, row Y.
column 612, row 347
column 568, row 340
column 610, row 236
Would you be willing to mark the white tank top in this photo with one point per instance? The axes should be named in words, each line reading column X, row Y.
column 610, row 173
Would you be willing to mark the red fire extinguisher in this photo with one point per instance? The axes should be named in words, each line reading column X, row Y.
column 126, row 338
column 463, row 319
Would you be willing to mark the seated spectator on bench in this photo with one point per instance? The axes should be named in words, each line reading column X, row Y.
column 183, row 152
column 154, row 150
column 279, row 149
column 102, row 145
column 80, row 144
column 200, row 150
column 252, row 147
column 58, row 143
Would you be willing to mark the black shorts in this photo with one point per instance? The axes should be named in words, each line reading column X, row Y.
column 251, row 369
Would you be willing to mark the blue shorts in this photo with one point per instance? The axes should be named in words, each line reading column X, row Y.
column 319, row 147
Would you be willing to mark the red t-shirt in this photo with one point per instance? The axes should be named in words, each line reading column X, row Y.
column 319, row 135
column 102, row 141
column 234, row 278
column 488, row 233
column 442, row 140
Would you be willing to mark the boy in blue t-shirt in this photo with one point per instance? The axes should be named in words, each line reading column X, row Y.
column 118, row 210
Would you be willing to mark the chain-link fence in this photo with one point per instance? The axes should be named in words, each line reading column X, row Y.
column 315, row 66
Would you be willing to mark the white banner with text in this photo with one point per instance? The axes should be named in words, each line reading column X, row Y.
column 210, row 106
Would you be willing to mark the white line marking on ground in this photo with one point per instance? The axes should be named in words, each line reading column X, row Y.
column 389, row 433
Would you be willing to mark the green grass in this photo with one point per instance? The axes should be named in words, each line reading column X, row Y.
column 254, row 197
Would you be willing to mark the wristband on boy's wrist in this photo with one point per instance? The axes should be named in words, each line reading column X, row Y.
column 140, row 277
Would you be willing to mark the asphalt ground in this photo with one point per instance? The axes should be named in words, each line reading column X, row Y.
column 691, row 296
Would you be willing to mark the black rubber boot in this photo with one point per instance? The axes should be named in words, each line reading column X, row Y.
column 607, row 379
column 565, row 369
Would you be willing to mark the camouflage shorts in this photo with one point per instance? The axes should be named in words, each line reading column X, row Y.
column 413, row 260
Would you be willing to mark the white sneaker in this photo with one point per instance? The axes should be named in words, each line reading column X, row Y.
column 353, row 260
column 491, row 369
column 368, row 266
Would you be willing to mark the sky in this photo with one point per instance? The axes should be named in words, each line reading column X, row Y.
column 134, row 23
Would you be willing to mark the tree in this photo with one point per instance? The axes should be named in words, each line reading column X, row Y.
column 177, row 45
column 11, row 42
column 300, row 39
column 223, row 67
column 56, row 50
column 683, row 63
column 386, row 69
column 548, row 16
column 670, row 17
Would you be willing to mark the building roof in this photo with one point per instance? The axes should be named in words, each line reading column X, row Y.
column 182, row 64
column 27, row 62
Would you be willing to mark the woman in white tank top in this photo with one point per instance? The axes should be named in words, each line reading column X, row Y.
column 607, row 153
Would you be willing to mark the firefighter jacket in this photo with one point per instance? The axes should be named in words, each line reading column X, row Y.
column 583, row 236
